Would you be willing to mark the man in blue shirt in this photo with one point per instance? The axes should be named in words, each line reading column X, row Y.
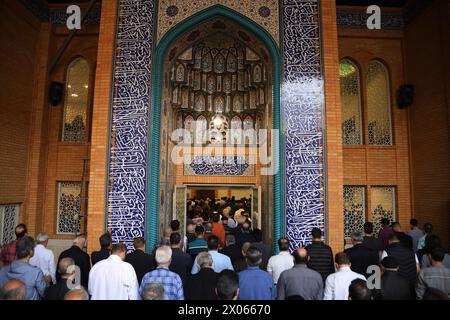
column 220, row 261
column 173, row 286
column 254, row 283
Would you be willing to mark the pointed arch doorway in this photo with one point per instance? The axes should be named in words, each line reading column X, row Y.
column 193, row 83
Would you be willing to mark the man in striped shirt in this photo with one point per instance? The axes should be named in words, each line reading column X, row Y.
column 437, row 276
column 173, row 286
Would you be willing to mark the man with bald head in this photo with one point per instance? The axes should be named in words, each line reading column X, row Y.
column 13, row 290
column 300, row 280
column 81, row 258
column 77, row 294
column 66, row 270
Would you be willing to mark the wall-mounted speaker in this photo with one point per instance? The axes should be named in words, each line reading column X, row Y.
column 56, row 93
column 405, row 96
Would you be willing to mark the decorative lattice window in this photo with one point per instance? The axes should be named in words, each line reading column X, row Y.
column 354, row 210
column 382, row 205
column 69, row 208
column 351, row 103
column 378, row 104
column 75, row 107
column 9, row 219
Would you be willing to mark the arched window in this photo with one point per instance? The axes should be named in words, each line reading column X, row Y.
column 378, row 104
column 75, row 107
column 351, row 102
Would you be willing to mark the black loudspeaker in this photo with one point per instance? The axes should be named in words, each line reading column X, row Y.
column 405, row 96
column 56, row 93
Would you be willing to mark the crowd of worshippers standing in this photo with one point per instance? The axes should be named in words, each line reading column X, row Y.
column 229, row 262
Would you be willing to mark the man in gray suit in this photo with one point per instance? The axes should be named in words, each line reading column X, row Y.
column 300, row 282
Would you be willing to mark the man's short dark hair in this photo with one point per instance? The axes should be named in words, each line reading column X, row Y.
column 215, row 217
column 24, row 247
column 316, row 233
column 118, row 247
column 175, row 238
column 227, row 285
column 213, row 242
column 300, row 258
column 199, row 230
column 105, row 240
column 254, row 256
column 428, row 227
column 139, row 242
column 341, row 258
column 175, row 225
column 432, row 241
column 414, row 222
column 385, row 221
column 283, row 244
column 358, row 290
column 257, row 235
column 438, row 254
column 20, row 230
column 368, row 227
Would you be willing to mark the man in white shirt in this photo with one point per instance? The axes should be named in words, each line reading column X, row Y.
column 280, row 262
column 337, row 284
column 220, row 261
column 44, row 258
column 113, row 278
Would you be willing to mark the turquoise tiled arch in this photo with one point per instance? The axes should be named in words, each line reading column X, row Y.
column 154, row 154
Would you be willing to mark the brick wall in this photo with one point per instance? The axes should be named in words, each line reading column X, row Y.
column 369, row 165
column 426, row 50
column 18, row 47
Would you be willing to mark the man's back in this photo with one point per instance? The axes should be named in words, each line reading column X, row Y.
column 181, row 263
column 405, row 240
column 279, row 263
column 433, row 277
column 201, row 286
column 320, row 258
column 384, row 235
column 394, row 287
column 361, row 258
column 197, row 246
column 266, row 253
column 31, row 276
column 415, row 234
column 256, row 284
column 406, row 260
column 300, row 281
column 97, row 256
column 44, row 259
column 113, row 279
column 81, row 259
column 373, row 243
column 173, row 286
column 57, row 291
column 141, row 262
column 233, row 252
column 337, row 284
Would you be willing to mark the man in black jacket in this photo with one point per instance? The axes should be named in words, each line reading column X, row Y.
column 59, row 290
column 105, row 248
column 80, row 257
column 360, row 256
column 407, row 260
column 231, row 250
column 370, row 241
column 201, row 286
column 393, row 285
column 320, row 255
column 181, row 262
column 141, row 261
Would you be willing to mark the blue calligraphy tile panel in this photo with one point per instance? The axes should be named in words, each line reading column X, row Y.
column 129, row 121
column 302, row 120
column 219, row 166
